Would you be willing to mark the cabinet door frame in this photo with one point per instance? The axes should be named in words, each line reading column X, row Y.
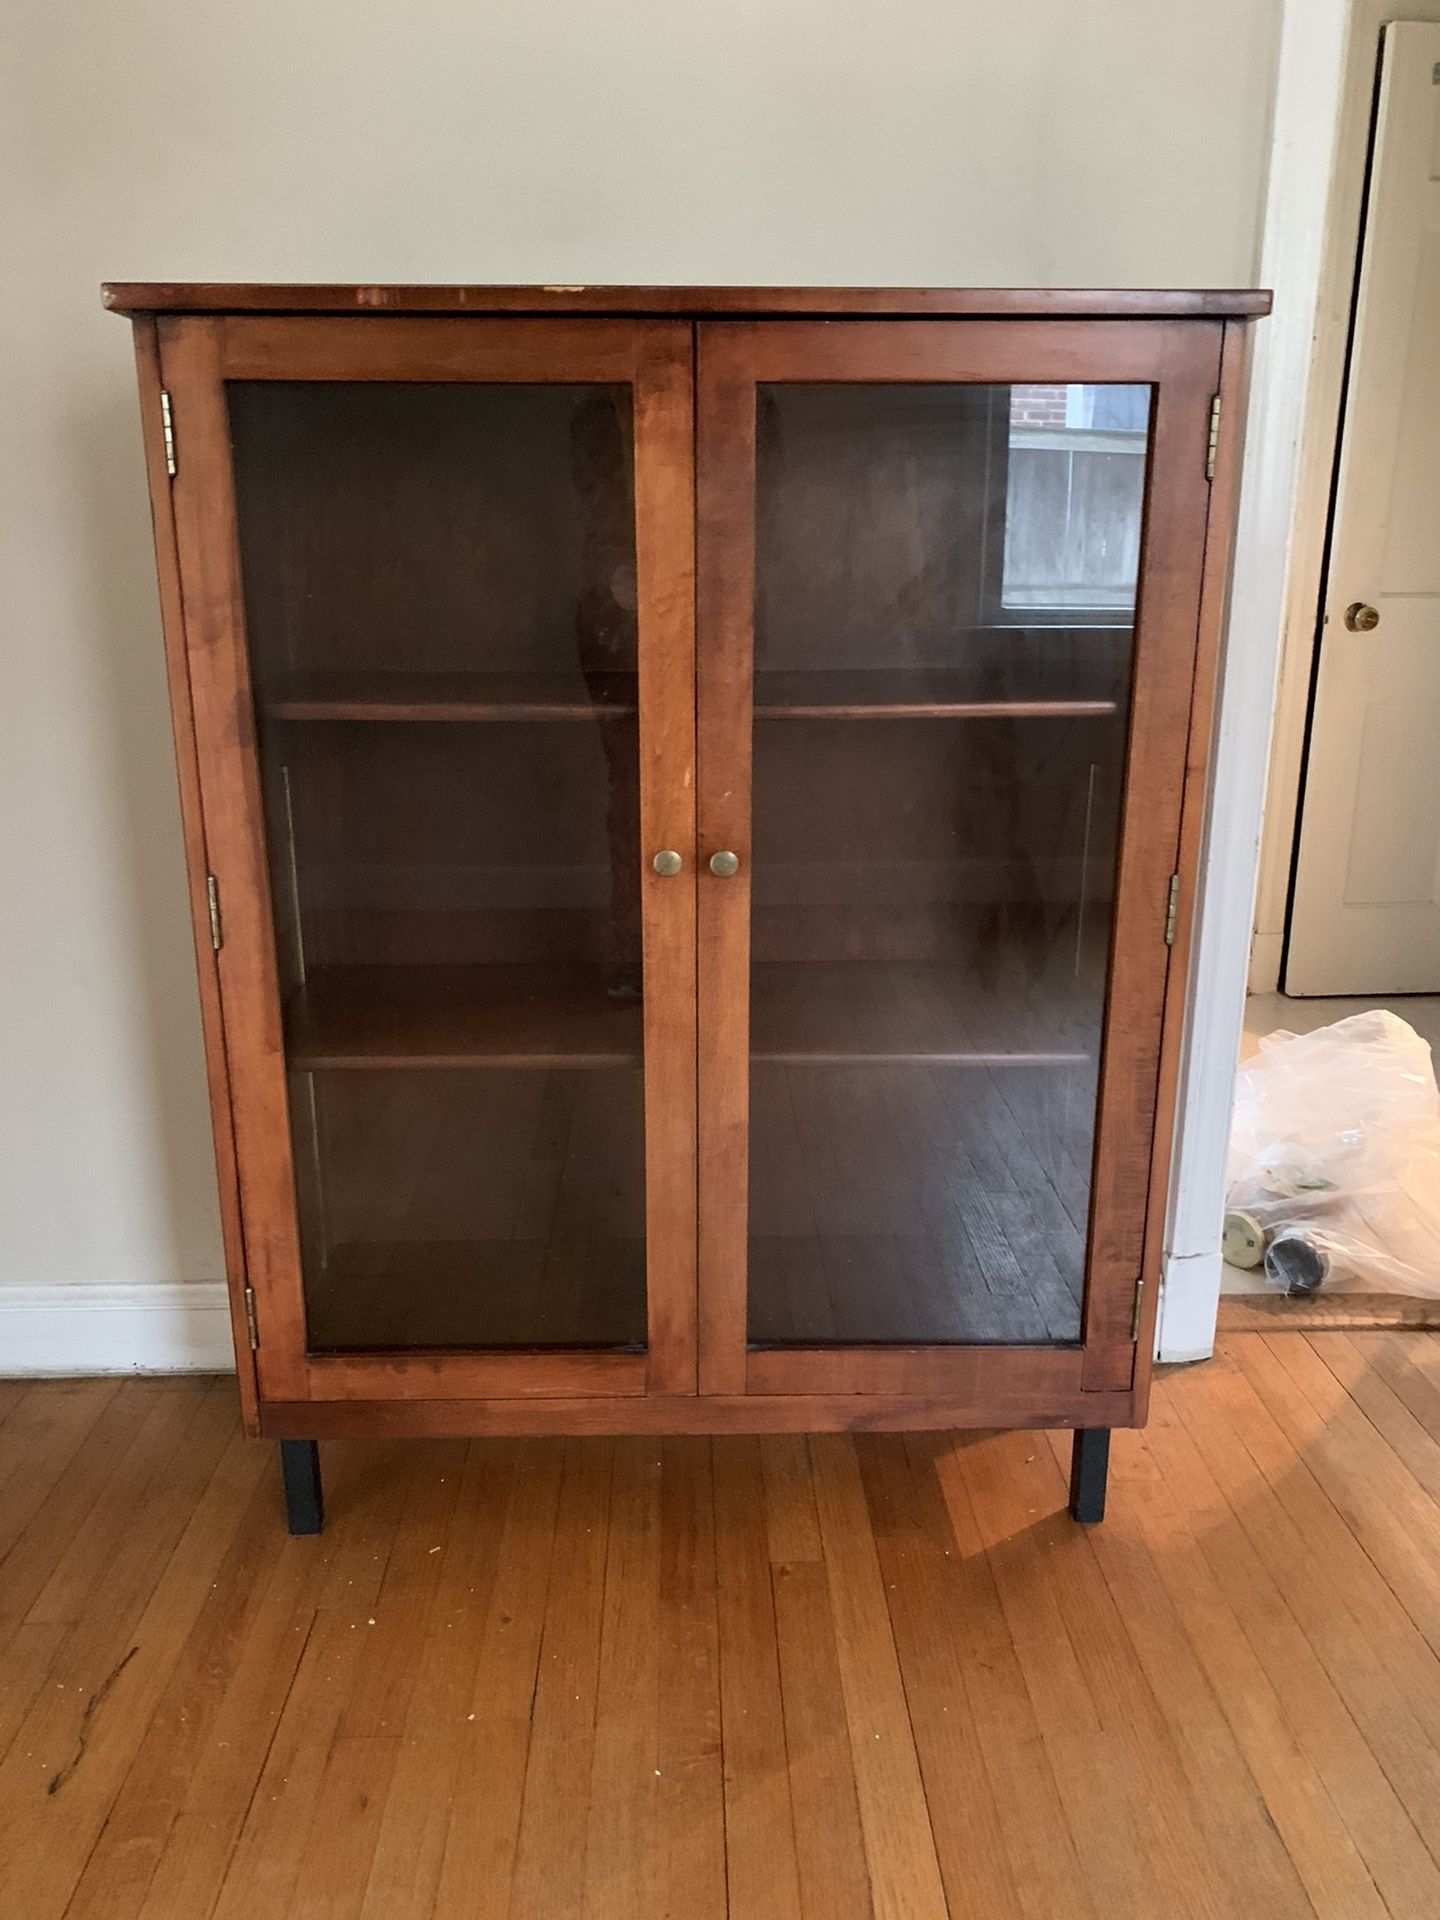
column 197, row 356
column 1180, row 361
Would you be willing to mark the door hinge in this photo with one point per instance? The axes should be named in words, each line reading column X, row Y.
column 167, row 423
column 1135, row 1311
column 212, row 895
column 252, row 1325
column 1172, row 900
column 1211, row 446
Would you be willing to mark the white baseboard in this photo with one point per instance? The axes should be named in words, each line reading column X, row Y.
column 185, row 1327
column 1189, row 1299
column 168, row 1327
column 1265, row 951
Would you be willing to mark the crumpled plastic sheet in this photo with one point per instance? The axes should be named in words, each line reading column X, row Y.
column 1334, row 1162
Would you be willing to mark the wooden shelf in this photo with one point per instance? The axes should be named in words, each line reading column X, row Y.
column 895, row 1013
column 853, row 1014
column 922, row 694
column 489, row 1016
column 918, row 694
column 452, row 696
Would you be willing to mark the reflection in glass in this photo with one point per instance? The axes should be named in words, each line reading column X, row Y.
column 944, row 614
column 441, row 614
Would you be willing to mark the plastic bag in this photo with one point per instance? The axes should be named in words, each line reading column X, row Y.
column 1334, row 1167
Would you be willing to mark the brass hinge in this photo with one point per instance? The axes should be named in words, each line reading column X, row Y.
column 1212, row 446
column 1171, row 906
column 251, row 1324
column 167, row 423
column 1135, row 1314
column 212, row 894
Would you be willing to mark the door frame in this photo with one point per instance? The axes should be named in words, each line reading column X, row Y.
column 1181, row 361
column 1324, row 97
column 197, row 356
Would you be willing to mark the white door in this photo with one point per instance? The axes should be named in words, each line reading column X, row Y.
column 1365, row 914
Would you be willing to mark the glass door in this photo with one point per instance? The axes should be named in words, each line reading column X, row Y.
column 455, row 633
column 925, row 646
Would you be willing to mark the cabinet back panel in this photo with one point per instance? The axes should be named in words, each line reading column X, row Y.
column 887, row 839
column 409, row 528
column 475, row 1210
column 423, row 844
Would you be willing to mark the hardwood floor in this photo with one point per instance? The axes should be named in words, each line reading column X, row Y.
column 840, row 1677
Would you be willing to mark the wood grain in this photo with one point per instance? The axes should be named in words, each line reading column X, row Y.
column 375, row 695
column 509, row 1018
column 654, row 359
column 1225, row 1700
column 1380, row 1842
column 1180, row 364
column 1029, row 1373
column 975, row 1721
column 1324, row 1313
column 197, row 861
column 1032, row 1393
column 550, row 1845
column 1213, row 613
column 1164, row 672
column 462, row 987
column 211, row 596
column 761, row 1868
column 622, row 1798
column 899, row 1845
column 829, row 1842
column 338, row 1379
column 724, row 618
column 498, row 350
column 690, row 1812
column 665, row 600
column 122, row 296
column 495, row 697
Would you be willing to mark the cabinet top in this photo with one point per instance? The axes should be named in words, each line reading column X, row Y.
column 1075, row 303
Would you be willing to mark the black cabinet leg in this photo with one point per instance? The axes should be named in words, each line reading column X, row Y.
column 1089, row 1469
column 304, row 1499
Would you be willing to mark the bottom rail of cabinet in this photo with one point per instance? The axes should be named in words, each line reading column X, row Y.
column 699, row 1413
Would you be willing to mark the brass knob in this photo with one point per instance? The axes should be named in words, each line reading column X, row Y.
column 724, row 864
column 1361, row 619
column 667, row 863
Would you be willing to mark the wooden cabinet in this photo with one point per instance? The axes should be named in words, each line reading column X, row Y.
column 692, row 800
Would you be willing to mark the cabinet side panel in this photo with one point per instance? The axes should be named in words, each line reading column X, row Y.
column 1214, row 607
column 147, row 362
column 203, row 497
column 1164, row 681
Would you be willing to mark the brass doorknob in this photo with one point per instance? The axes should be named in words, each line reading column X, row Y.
column 1361, row 619
column 724, row 864
column 667, row 863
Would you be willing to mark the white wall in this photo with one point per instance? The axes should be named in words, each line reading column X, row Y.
column 983, row 142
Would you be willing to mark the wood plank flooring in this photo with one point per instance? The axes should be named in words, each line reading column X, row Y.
column 844, row 1677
